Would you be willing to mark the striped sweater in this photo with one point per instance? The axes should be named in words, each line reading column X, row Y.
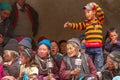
column 93, row 30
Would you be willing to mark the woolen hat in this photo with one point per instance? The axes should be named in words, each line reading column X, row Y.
column 45, row 42
column 26, row 42
column 5, row 6
column 74, row 40
column 115, row 55
column 12, row 45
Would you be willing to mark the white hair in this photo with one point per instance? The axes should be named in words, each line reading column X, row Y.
column 11, row 51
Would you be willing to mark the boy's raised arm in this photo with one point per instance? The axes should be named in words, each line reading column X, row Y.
column 77, row 26
column 99, row 14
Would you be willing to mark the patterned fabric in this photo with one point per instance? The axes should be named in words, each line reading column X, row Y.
column 2, row 73
column 28, row 70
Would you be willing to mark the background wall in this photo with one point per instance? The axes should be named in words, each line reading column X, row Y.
column 54, row 13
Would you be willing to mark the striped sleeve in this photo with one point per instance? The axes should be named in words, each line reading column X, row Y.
column 100, row 14
column 77, row 26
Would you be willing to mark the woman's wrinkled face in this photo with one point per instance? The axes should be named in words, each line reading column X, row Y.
column 110, row 64
column 43, row 51
column 6, row 56
column 71, row 50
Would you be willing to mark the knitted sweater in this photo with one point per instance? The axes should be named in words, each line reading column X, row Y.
column 93, row 30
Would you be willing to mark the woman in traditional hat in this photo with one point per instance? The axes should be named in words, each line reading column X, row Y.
column 76, row 65
column 45, row 61
column 112, row 67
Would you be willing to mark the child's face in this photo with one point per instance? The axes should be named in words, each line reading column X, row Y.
column 63, row 47
column 89, row 14
column 113, row 36
column 54, row 48
column 23, row 59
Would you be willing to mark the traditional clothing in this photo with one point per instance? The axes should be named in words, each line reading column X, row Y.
column 29, row 27
column 86, row 69
column 43, row 70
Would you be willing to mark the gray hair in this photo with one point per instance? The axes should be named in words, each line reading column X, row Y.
column 11, row 51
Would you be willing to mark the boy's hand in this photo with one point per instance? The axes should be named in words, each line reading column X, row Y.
column 66, row 24
column 114, row 41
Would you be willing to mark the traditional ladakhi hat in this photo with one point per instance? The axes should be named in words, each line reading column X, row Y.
column 115, row 55
column 46, row 42
column 25, row 41
column 74, row 40
column 12, row 45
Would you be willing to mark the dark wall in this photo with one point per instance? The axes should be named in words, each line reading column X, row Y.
column 54, row 13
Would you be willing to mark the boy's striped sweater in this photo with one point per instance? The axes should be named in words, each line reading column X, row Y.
column 93, row 30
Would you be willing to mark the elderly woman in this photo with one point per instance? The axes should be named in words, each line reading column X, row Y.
column 75, row 65
column 11, row 60
column 112, row 67
column 46, row 63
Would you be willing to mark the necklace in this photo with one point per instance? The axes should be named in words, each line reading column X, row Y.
column 44, row 61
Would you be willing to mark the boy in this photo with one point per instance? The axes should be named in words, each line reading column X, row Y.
column 93, row 32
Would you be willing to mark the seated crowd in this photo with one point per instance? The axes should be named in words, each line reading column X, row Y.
column 22, row 59
column 51, row 60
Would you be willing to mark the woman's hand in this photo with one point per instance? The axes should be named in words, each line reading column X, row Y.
column 76, row 71
column 51, row 75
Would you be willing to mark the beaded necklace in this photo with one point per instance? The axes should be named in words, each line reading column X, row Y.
column 44, row 61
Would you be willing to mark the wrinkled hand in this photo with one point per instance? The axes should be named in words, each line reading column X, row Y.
column 52, row 79
column 51, row 76
column 66, row 24
column 76, row 71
